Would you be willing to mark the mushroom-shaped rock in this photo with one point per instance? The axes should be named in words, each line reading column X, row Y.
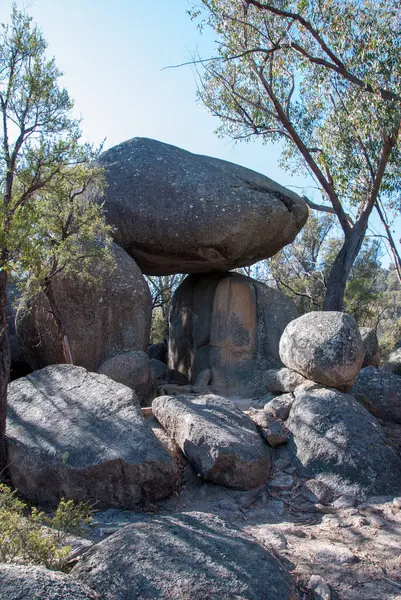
column 81, row 435
column 178, row 212
column 189, row 555
column 102, row 316
column 230, row 324
column 20, row 582
column 325, row 347
column 221, row 443
column 340, row 443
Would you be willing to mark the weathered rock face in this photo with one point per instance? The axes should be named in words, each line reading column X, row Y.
column 188, row 555
column 371, row 346
column 340, row 443
column 282, row 380
column 219, row 441
column 81, row 435
column 158, row 352
column 325, row 347
column 101, row 320
column 383, row 391
column 18, row 582
column 159, row 369
column 280, row 406
column 230, row 324
column 393, row 364
column 177, row 212
column 132, row 369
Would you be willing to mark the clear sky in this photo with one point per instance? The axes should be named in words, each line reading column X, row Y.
column 113, row 54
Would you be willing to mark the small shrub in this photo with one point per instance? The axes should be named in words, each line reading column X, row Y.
column 29, row 536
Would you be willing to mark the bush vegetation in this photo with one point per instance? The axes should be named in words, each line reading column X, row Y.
column 29, row 536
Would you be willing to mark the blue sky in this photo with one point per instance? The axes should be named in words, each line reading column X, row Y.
column 113, row 55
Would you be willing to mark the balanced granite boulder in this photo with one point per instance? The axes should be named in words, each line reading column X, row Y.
column 133, row 369
column 192, row 555
column 383, row 391
column 230, row 324
column 178, row 212
column 20, row 582
column 341, row 444
column 82, row 436
column 325, row 347
column 103, row 316
column 220, row 442
column 371, row 347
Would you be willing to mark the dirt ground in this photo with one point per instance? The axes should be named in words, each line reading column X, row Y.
column 355, row 548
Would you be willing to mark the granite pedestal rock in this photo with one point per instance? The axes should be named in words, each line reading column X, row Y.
column 230, row 324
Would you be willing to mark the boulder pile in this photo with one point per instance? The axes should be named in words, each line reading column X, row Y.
column 338, row 441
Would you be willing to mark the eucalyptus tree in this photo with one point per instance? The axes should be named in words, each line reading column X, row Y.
column 325, row 79
column 301, row 271
column 39, row 139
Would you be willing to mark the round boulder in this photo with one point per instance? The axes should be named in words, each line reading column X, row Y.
column 325, row 347
column 102, row 318
column 132, row 369
column 158, row 352
column 229, row 324
column 178, row 212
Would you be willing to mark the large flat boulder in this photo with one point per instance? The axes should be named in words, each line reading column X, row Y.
column 19, row 582
column 221, row 443
column 230, row 324
column 341, row 444
column 325, row 347
column 189, row 555
column 104, row 316
column 81, row 435
column 178, row 212
column 383, row 391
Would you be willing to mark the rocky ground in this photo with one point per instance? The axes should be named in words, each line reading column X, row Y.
column 346, row 551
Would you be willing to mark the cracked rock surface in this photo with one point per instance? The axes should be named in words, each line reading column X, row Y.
column 81, row 435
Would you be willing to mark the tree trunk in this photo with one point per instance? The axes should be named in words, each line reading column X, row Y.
column 61, row 328
column 337, row 280
column 5, row 362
